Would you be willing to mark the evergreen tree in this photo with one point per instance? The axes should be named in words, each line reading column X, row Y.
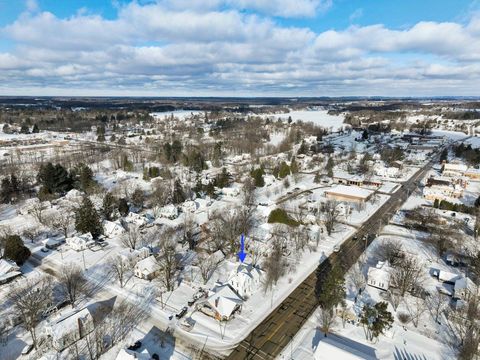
column 87, row 219
column 109, row 205
column 101, row 137
column 9, row 189
column 82, row 177
column 365, row 134
column 35, row 129
column 330, row 292
column 123, row 208
column 24, row 129
column 54, row 178
column 138, row 198
column 329, row 167
column 283, row 170
column 178, row 194
column 303, row 148
column 257, row 176
column 15, row 250
column 294, row 166
column 375, row 320
column 223, row 179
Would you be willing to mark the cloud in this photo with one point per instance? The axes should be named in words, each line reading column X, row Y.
column 357, row 14
column 213, row 48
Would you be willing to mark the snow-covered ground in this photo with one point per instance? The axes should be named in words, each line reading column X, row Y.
column 318, row 117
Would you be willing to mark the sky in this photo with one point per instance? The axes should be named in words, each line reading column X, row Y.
column 240, row 47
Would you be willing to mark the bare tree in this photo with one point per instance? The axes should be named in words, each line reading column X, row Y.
column 357, row 276
column 437, row 302
column 169, row 260
column 29, row 301
column 207, row 265
column 416, row 307
column 72, row 282
column 330, row 215
column 63, row 220
column 132, row 237
column 394, row 297
column 299, row 236
column 465, row 328
column 407, row 274
column 38, row 211
column 275, row 264
column 120, row 268
column 390, row 251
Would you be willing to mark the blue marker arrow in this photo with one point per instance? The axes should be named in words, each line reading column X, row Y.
column 242, row 254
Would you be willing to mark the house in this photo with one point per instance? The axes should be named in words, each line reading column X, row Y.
column 472, row 173
column 67, row 329
column 379, row 276
column 170, row 212
column 348, row 193
column 446, row 277
column 135, row 219
column 245, row 280
column 222, row 302
column 454, row 170
column 112, row 229
column 147, row 269
column 79, row 243
column 134, row 256
column 8, row 271
column 340, row 348
column 464, row 288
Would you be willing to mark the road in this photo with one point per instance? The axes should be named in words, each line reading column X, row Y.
column 268, row 339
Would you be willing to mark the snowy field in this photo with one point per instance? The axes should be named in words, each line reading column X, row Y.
column 318, row 117
column 181, row 114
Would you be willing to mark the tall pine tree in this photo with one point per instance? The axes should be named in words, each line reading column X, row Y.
column 87, row 219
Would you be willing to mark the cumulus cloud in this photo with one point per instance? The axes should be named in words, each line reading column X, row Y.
column 213, row 47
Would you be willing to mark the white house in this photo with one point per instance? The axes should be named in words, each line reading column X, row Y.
column 245, row 280
column 170, row 212
column 112, row 229
column 135, row 219
column 67, row 329
column 379, row 276
column 464, row 287
column 134, row 256
column 222, row 302
column 8, row 271
column 147, row 269
column 79, row 243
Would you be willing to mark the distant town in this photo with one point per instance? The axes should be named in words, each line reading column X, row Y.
column 239, row 228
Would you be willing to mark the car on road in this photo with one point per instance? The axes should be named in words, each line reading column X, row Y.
column 27, row 349
column 187, row 324
column 355, row 237
column 44, row 250
column 182, row 312
column 336, row 248
column 135, row 346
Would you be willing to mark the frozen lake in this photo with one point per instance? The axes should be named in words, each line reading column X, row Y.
column 318, row 117
column 181, row 114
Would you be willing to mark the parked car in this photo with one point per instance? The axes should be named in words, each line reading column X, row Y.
column 182, row 312
column 155, row 356
column 26, row 349
column 137, row 345
column 44, row 250
column 187, row 324
column 336, row 248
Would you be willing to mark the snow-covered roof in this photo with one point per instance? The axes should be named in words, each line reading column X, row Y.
column 148, row 265
column 7, row 266
column 464, row 283
column 448, row 276
column 125, row 354
column 69, row 323
column 328, row 348
column 112, row 228
column 455, row 167
column 224, row 300
column 349, row 191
